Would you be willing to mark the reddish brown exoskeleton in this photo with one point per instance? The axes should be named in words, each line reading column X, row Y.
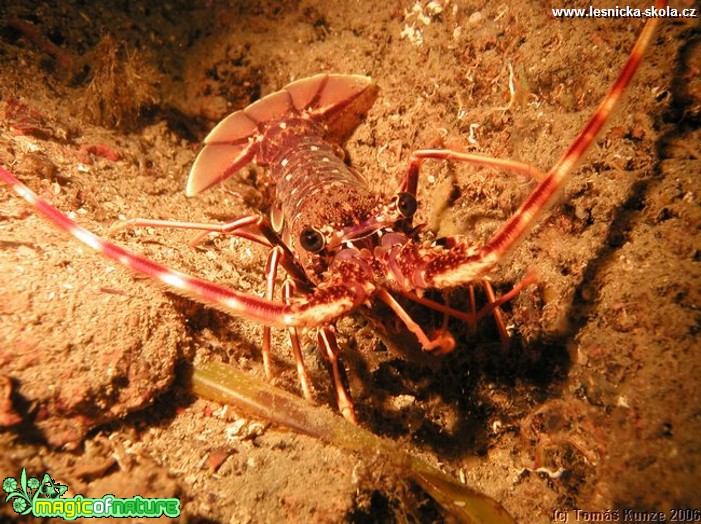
column 341, row 244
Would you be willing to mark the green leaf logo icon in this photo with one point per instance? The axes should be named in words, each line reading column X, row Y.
column 19, row 493
column 23, row 493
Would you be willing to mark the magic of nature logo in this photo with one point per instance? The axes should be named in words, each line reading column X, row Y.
column 44, row 498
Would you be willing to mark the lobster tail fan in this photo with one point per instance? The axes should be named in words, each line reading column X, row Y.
column 338, row 101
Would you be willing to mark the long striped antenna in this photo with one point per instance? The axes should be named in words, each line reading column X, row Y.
column 546, row 193
column 229, row 301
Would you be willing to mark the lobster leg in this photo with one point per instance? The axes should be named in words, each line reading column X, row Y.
column 270, row 276
column 444, row 343
column 330, row 351
column 238, row 227
column 498, row 315
column 271, row 268
column 297, row 350
column 251, row 227
column 411, row 177
column 474, row 316
column 410, row 184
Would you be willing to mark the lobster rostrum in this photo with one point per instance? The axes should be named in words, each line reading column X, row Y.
column 341, row 244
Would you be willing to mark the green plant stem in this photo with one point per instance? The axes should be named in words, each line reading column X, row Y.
column 225, row 384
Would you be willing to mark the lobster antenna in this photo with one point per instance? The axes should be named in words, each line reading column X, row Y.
column 546, row 193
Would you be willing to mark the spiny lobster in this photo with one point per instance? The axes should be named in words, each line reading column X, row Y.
column 341, row 244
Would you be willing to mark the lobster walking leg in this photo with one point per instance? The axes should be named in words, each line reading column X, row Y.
column 239, row 227
column 411, row 176
column 410, row 184
column 330, row 351
column 242, row 227
column 277, row 254
column 297, row 350
column 443, row 343
column 271, row 268
column 270, row 277
column 474, row 315
column 498, row 315
column 251, row 227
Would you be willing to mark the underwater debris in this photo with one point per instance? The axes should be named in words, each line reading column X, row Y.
column 123, row 84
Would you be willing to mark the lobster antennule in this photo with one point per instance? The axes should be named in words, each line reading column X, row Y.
column 336, row 100
column 257, row 309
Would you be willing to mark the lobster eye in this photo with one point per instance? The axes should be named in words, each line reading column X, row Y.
column 311, row 239
column 406, row 203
